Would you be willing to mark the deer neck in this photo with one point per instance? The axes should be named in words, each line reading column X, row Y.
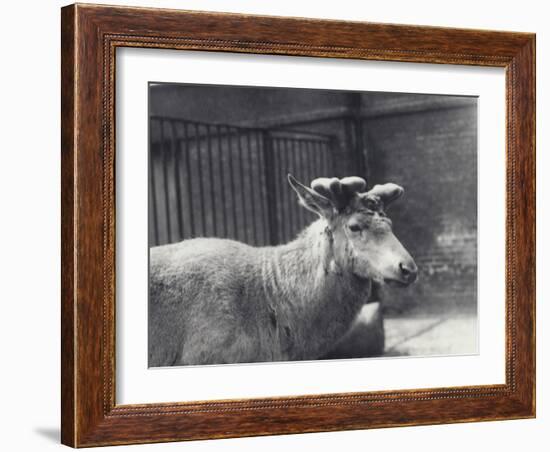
column 312, row 296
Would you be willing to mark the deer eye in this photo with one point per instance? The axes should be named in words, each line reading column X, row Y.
column 354, row 227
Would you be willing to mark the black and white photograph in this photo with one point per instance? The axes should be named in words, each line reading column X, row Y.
column 294, row 224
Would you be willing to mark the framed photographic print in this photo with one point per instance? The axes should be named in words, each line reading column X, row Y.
column 281, row 225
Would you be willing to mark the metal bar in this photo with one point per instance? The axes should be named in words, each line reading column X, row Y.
column 360, row 159
column 153, row 188
column 281, row 196
column 319, row 160
column 165, row 184
column 307, row 173
column 278, row 129
column 320, row 153
column 253, row 190
column 277, row 185
column 261, row 186
column 292, row 130
column 278, row 145
column 243, row 187
column 316, row 158
column 222, row 180
column 295, row 122
column 303, row 177
column 270, row 188
column 211, row 176
column 290, row 193
column 188, row 179
column 367, row 150
column 311, row 160
column 297, row 169
column 306, row 161
column 324, row 162
column 329, row 156
column 232, row 175
column 348, row 150
column 177, row 178
column 287, row 193
column 201, row 179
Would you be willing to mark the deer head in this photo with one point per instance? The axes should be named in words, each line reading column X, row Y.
column 362, row 237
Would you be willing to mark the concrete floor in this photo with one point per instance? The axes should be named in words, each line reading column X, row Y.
column 422, row 333
column 431, row 335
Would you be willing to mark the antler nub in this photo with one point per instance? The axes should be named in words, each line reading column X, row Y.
column 354, row 184
column 325, row 186
column 339, row 191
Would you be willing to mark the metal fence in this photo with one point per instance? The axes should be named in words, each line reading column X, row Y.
column 219, row 180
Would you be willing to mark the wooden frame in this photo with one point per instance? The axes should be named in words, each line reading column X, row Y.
column 90, row 35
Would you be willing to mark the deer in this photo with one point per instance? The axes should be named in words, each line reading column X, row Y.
column 220, row 301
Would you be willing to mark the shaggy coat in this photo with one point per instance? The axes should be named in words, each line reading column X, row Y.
column 222, row 301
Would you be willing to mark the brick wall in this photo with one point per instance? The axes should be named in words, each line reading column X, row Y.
column 432, row 153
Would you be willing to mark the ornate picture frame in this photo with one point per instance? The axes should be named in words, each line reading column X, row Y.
column 90, row 36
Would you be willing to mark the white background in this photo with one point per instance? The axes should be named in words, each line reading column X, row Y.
column 29, row 225
column 137, row 384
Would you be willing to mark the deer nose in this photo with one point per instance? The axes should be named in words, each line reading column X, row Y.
column 409, row 271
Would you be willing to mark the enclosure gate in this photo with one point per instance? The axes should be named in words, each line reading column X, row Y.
column 219, row 180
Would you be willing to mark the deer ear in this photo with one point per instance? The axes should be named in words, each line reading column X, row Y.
column 310, row 199
column 387, row 192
